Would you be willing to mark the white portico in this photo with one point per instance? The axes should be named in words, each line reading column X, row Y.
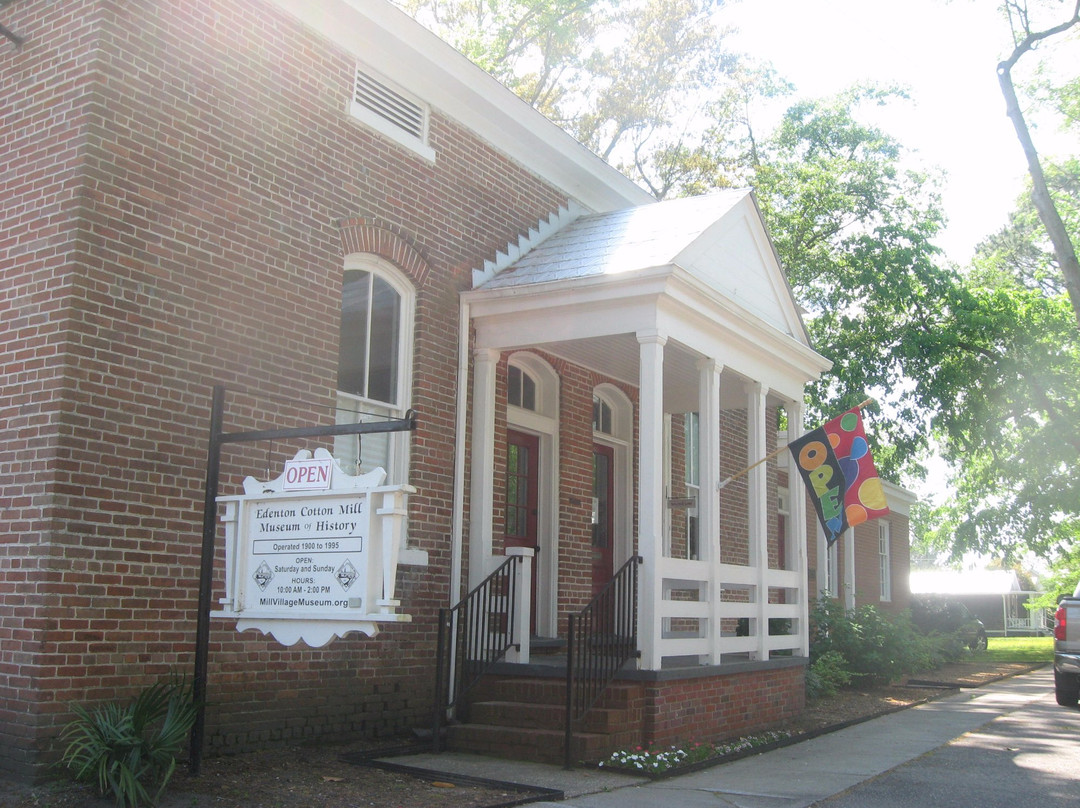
column 684, row 301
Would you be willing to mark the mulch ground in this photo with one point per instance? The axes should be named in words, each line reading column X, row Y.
column 317, row 777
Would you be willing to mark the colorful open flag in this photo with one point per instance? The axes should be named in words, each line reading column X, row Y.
column 841, row 480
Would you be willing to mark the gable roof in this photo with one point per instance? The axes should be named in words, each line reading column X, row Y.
column 719, row 239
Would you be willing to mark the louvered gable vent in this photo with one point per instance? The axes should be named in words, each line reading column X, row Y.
column 382, row 106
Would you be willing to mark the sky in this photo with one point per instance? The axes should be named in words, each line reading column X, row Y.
column 945, row 53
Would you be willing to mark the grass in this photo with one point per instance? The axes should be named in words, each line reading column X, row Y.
column 1019, row 649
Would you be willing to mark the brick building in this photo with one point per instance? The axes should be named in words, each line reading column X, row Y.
column 327, row 210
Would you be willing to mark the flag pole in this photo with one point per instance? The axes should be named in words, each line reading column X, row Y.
column 774, row 453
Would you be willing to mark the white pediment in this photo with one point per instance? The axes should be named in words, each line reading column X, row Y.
column 735, row 257
column 719, row 239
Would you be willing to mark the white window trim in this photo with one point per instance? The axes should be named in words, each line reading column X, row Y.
column 543, row 423
column 621, row 440
column 885, row 560
column 832, row 567
column 366, row 262
column 400, row 442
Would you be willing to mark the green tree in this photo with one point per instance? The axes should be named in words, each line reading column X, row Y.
column 531, row 46
column 1013, row 432
column 1062, row 580
column 625, row 77
column 1027, row 38
column 1020, row 251
column 854, row 230
column 986, row 363
column 981, row 363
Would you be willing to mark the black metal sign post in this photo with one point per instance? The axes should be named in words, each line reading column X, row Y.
column 206, row 570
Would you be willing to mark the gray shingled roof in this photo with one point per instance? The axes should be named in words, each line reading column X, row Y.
column 621, row 241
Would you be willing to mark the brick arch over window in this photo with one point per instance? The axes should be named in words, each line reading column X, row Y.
column 376, row 238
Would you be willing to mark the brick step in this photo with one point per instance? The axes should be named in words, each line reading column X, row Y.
column 619, row 695
column 543, row 745
column 603, row 720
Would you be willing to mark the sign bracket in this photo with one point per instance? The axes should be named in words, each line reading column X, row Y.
column 218, row 439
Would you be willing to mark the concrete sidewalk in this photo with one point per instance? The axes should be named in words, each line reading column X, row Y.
column 793, row 776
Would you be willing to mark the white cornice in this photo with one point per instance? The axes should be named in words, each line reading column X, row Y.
column 900, row 499
column 389, row 41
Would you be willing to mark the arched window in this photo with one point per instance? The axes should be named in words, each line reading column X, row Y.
column 374, row 363
column 520, row 388
column 601, row 416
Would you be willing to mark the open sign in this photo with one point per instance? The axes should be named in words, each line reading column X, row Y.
column 307, row 475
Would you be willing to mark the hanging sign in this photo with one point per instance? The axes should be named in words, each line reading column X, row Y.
column 308, row 474
column 312, row 561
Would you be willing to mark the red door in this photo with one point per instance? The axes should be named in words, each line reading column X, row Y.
column 603, row 521
column 522, row 493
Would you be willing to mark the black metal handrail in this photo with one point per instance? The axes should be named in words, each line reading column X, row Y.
column 473, row 636
column 599, row 641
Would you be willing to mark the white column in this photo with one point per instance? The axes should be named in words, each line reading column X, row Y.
column 519, row 632
column 797, row 520
column 708, row 506
column 482, row 493
column 847, row 539
column 650, row 494
column 757, row 423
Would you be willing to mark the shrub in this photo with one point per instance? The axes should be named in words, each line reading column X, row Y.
column 131, row 748
column 826, row 675
column 871, row 643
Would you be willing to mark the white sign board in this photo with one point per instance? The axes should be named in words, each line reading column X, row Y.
column 312, row 564
column 304, row 554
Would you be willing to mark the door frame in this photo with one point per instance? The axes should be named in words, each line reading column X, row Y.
column 543, row 424
column 607, row 451
column 531, row 538
column 621, row 441
column 545, row 565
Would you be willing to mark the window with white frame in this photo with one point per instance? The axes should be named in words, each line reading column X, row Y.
column 693, row 488
column 374, row 364
column 884, row 566
column 601, row 416
column 832, row 569
column 520, row 388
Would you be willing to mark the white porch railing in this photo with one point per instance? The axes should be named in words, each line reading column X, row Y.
column 1036, row 621
column 715, row 630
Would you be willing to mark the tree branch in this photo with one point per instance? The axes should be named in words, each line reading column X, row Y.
column 1040, row 193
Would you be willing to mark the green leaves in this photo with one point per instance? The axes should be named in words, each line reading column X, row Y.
column 129, row 749
column 985, row 364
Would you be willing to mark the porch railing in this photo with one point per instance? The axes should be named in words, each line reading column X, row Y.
column 473, row 636
column 599, row 641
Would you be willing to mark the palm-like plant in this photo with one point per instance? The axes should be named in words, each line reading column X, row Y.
column 131, row 748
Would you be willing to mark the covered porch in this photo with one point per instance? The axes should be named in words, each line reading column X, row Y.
column 675, row 323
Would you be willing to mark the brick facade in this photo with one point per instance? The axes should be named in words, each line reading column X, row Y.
column 180, row 184
column 717, row 708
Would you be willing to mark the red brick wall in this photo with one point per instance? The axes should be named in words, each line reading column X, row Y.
column 867, row 569
column 720, row 707
column 177, row 177
column 574, row 532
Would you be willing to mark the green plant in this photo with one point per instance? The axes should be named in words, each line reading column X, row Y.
column 872, row 644
column 826, row 675
column 131, row 748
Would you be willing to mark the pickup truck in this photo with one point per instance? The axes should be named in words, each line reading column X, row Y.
column 1067, row 650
